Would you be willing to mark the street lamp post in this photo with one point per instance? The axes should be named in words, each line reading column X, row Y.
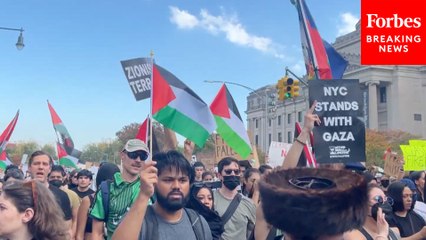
column 20, row 43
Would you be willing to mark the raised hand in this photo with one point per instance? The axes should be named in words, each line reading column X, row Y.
column 148, row 178
column 311, row 118
column 382, row 224
column 188, row 149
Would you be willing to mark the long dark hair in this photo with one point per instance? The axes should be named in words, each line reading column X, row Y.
column 211, row 216
column 395, row 190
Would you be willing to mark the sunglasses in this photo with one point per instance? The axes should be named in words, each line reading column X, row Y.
column 229, row 171
column 380, row 200
column 141, row 154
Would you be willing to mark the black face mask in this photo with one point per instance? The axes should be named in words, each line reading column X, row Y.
column 56, row 183
column 386, row 209
column 384, row 183
column 231, row 182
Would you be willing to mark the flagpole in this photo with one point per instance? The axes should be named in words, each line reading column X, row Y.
column 310, row 54
column 152, row 92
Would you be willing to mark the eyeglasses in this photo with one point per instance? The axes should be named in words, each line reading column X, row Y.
column 380, row 200
column 229, row 171
column 141, row 154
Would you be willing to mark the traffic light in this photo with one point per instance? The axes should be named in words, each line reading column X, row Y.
column 288, row 87
column 295, row 88
column 281, row 88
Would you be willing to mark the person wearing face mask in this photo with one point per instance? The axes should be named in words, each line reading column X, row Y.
column 250, row 184
column 56, row 178
column 237, row 211
column 375, row 225
column 410, row 225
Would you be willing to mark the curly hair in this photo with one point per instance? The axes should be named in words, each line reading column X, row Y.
column 48, row 220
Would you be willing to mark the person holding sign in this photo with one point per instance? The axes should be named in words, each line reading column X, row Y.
column 297, row 200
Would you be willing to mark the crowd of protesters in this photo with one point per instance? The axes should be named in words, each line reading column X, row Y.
column 163, row 197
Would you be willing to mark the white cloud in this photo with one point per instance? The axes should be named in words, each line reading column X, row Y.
column 182, row 18
column 347, row 25
column 233, row 30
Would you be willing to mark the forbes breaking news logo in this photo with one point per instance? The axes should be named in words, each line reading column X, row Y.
column 392, row 32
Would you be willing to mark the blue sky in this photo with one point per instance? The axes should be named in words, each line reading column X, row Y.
column 73, row 51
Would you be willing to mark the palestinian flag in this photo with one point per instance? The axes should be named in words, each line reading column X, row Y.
column 144, row 130
column 177, row 107
column 4, row 160
column 4, row 139
column 64, row 145
column 230, row 126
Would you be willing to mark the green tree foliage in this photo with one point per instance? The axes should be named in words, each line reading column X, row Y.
column 378, row 141
column 209, row 146
column 127, row 132
column 49, row 148
column 108, row 151
column 16, row 152
column 130, row 131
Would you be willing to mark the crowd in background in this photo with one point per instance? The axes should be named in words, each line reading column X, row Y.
column 165, row 197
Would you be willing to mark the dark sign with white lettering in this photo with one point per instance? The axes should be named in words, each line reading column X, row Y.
column 340, row 138
column 138, row 73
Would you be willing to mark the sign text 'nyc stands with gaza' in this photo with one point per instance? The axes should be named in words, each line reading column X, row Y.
column 340, row 138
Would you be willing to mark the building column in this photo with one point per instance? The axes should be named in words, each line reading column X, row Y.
column 373, row 120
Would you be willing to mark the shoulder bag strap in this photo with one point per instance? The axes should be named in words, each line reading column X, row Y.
column 231, row 208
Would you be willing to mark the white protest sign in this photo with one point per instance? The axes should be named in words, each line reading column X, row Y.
column 277, row 153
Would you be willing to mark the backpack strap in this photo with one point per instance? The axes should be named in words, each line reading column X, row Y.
column 231, row 208
column 196, row 223
column 366, row 234
column 272, row 234
column 105, row 191
column 392, row 235
column 151, row 224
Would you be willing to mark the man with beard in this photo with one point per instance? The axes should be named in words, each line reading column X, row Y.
column 123, row 191
column 239, row 219
column 56, row 178
column 167, row 219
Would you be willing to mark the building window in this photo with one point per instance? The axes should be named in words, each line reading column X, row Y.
column 270, row 139
column 256, row 139
column 270, row 122
column 382, row 92
column 257, row 122
column 289, row 118
column 279, row 120
column 289, row 138
column 417, row 117
column 280, row 137
column 299, row 116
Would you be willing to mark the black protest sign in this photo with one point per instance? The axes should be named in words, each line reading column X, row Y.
column 340, row 138
column 138, row 73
